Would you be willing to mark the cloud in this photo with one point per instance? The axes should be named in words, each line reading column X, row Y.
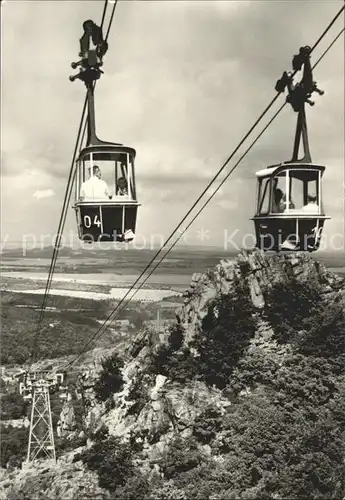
column 183, row 102
column 46, row 193
column 227, row 204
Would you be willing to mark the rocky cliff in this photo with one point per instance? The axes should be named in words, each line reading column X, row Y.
column 166, row 406
column 255, row 337
column 260, row 272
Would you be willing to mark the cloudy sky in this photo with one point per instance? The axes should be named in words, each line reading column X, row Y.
column 183, row 82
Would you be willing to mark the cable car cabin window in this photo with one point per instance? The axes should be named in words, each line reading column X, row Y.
column 97, row 180
column 264, row 197
column 107, row 177
column 312, row 202
column 304, row 191
column 296, row 193
column 122, row 178
column 278, row 193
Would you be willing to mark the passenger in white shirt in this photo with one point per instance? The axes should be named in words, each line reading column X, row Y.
column 94, row 188
column 311, row 205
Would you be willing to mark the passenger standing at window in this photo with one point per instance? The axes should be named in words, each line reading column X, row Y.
column 277, row 197
column 122, row 186
column 311, row 205
column 285, row 205
column 94, row 188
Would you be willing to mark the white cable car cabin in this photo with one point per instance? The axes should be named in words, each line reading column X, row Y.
column 105, row 213
column 108, row 214
column 289, row 212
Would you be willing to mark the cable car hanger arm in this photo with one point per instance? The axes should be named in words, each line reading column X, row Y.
column 298, row 95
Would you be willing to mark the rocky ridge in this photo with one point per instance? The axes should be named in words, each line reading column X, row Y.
column 154, row 408
column 165, row 406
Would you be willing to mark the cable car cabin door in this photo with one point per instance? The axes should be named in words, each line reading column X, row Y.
column 106, row 222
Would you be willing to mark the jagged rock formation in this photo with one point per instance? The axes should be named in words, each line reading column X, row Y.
column 41, row 482
column 259, row 271
column 154, row 407
column 67, row 422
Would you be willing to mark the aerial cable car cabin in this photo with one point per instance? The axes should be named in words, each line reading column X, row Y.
column 289, row 206
column 105, row 190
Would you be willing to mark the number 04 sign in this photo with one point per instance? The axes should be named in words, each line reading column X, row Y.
column 88, row 222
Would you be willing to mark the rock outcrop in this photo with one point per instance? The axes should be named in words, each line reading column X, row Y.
column 67, row 422
column 154, row 408
column 42, row 482
column 259, row 271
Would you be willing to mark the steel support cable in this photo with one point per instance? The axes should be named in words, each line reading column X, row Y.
column 109, row 318
column 59, row 234
column 118, row 308
column 68, row 194
column 329, row 47
column 73, row 170
column 83, row 115
column 228, row 175
column 104, row 12
column 327, row 29
column 79, row 143
column 67, row 198
column 111, row 20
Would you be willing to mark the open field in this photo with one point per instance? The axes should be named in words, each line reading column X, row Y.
column 105, row 279
column 127, row 263
column 115, row 294
column 97, row 271
column 117, row 261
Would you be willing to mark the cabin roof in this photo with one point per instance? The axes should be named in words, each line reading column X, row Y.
column 105, row 151
column 269, row 171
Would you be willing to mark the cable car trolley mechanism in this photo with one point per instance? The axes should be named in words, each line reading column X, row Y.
column 105, row 192
column 289, row 213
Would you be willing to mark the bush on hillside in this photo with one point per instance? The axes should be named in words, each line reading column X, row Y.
column 14, row 444
column 290, row 307
column 287, row 453
column 12, row 406
column 326, row 335
column 173, row 361
column 110, row 380
column 226, row 332
column 207, row 425
column 300, row 316
column 182, row 455
column 111, row 459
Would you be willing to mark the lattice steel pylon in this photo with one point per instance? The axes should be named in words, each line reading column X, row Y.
column 41, row 437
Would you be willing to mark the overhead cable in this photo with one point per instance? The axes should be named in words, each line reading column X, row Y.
column 123, row 303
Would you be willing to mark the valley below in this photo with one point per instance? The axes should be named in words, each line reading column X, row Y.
column 203, row 375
